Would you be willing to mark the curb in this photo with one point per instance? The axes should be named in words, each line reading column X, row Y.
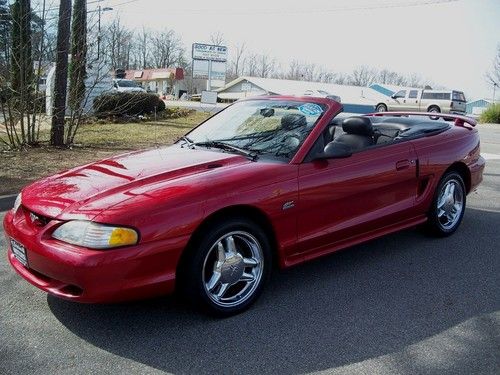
column 7, row 202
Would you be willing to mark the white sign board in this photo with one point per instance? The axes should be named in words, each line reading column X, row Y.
column 218, row 72
column 209, row 52
column 209, row 97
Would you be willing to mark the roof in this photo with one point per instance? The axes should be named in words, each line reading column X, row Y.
column 154, row 74
column 275, row 86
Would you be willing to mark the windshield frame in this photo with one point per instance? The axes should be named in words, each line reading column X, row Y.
column 330, row 107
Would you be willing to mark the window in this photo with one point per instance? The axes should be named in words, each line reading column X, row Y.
column 399, row 94
column 458, row 96
column 436, row 95
column 413, row 94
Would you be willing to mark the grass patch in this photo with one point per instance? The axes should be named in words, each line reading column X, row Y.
column 491, row 114
column 93, row 142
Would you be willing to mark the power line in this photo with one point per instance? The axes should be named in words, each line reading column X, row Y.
column 249, row 12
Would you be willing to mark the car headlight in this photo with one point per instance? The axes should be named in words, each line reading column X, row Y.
column 95, row 236
column 17, row 203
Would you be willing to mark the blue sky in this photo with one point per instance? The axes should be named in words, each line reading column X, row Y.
column 449, row 42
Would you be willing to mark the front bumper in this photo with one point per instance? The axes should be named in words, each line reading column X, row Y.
column 92, row 276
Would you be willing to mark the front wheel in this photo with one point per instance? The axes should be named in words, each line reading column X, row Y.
column 229, row 267
column 448, row 206
column 381, row 108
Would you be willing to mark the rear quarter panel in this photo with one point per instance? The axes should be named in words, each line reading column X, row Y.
column 436, row 154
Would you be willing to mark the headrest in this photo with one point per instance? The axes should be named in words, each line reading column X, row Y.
column 357, row 125
column 293, row 120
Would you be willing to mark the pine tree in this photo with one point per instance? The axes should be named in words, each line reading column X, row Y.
column 21, row 54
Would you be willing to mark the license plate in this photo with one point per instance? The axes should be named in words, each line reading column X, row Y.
column 19, row 252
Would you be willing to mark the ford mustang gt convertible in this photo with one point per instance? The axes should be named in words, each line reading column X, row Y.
column 268, row 181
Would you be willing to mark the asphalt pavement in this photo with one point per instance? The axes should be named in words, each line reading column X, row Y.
column 402, row 304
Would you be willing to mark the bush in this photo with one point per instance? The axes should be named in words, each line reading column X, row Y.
column 491, row 114
column 127, row 104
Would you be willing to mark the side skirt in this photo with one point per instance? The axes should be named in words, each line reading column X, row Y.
column 355, row 240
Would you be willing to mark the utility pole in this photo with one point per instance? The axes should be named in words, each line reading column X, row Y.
column 100, row 10
column 61, row 74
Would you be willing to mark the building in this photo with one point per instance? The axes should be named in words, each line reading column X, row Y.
column 164, row 81
column 355, row 99
column 97, row 81
column 476, row 107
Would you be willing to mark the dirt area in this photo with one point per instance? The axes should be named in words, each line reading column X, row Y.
column 94, row 142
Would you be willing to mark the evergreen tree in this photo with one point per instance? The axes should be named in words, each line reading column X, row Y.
column 21, row 65
column 77, row 69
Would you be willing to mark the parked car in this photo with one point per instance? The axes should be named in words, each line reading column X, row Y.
column 268, row 179
column 322, row 94
column 126, row 85
column 433, row 101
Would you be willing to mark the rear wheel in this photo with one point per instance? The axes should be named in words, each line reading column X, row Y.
column 381, row 108
column 434, row 109
column 448, row 206
column 228, row 267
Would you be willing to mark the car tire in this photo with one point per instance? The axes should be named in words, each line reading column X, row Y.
column 434, row 109
column 448, row 205
column 381, row 108
column 227, row 267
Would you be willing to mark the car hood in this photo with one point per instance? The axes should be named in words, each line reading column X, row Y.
column 85, row 191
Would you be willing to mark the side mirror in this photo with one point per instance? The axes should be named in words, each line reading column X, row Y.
column 393, row 96
column 334, row 150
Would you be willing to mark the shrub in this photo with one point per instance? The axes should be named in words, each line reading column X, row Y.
column 127, row 104
column 491, row 114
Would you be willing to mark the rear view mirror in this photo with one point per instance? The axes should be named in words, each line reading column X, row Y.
column 335, row 150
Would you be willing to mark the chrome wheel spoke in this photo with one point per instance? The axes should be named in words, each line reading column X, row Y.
column 214, row 280
column 231, row 247
column 223, row 288
column 221, row 254
column 250, row 262
column 248, row 277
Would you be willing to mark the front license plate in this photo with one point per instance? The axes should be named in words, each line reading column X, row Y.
column 19, row 252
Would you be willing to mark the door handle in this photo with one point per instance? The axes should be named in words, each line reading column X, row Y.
column 402, row 164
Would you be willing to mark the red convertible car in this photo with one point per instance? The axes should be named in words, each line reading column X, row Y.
column 269, row 180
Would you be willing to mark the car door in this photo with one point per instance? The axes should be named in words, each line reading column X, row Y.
column 398, row 101
column 412, row 101
column 340, row 199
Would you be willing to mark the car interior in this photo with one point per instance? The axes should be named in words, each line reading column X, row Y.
column 361, row 132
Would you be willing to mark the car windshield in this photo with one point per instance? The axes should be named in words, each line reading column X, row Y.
column 265, row 127
column 127, row 83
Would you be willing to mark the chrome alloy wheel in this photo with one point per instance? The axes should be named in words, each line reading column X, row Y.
column 450, row 204
column 233, row 268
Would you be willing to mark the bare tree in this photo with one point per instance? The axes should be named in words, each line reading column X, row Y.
column 362, row 76
column 265, row 66
column 252, row 63
column 217, row 39
column 238, row 61
column 167, row 49
column 118, row 41
column 143, row 49
column 493, row 76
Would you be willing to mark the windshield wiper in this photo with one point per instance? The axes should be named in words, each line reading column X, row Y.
column 226, row 146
